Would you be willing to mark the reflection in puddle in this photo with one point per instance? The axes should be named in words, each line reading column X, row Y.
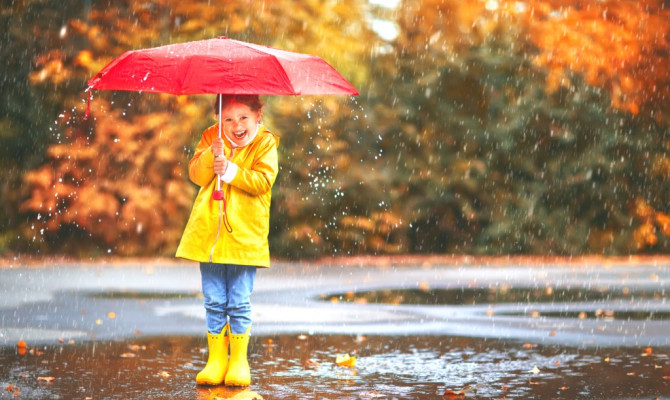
column 492, row 295
column 607, row 315
column 303, row 367
column 141, row 295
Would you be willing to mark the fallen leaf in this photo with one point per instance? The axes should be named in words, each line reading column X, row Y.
column 98, row 321
column 450, row 394
column 311, row 364
column 21, row 344
column 21, row 348
column 128, row 355
column 552, row 333
column 647, row 352
column 111, row 315
column 45, row 379
column 137, row 347
column 10, row 388
column 528, row 345
column 372, row 395
column 607, row 359
column 344, row 360
column 34, row 352
column 164, row 374
column 535, row 370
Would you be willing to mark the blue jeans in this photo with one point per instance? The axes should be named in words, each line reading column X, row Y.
column 226, row 289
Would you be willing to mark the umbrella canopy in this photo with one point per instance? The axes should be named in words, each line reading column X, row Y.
column 220, row 65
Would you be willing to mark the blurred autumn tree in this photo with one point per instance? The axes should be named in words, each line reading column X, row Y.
column 118, row 181
column 528, row 127
column 489, row 127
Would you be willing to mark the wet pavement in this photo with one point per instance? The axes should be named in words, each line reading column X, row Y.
column 136, row 331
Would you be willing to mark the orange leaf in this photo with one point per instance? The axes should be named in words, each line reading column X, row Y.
column 45, row 379
column 450, row 394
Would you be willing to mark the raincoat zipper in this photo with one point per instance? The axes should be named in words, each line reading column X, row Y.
column 218, row 229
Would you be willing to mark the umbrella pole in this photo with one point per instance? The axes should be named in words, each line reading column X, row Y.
column 218, row 193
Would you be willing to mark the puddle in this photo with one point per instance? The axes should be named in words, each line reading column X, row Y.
column 140, row 295
column 606, row 315
column 303, row 367
column 493, row 295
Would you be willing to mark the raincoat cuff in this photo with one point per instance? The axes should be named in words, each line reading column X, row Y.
column 230, row 173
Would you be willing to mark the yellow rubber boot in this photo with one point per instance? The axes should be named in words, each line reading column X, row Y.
column 238, row 368
column 217, row 363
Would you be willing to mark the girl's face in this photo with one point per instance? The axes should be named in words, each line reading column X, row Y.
column 239, row 123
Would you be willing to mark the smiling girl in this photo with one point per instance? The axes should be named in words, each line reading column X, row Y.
column 229, row 237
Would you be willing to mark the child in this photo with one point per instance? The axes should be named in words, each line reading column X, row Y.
column 230, row 237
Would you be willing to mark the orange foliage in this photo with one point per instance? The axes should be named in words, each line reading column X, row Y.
column 124, row 185
column 653, row 224
column 612, row 44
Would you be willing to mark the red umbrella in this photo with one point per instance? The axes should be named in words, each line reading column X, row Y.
column 221, row 66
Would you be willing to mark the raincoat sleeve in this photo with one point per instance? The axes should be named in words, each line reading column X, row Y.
column 201, row 166
column 261, row 176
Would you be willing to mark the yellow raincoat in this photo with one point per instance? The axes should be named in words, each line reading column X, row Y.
column 247, row 199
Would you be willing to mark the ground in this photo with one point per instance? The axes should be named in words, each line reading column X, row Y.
column 512, row 327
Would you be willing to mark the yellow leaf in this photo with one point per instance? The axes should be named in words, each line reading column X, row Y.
column 344, row 360
column 45, row 379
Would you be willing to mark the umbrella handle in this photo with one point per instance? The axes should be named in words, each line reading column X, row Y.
column 218, row 193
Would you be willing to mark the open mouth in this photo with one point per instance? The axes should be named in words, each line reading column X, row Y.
column 239, row 134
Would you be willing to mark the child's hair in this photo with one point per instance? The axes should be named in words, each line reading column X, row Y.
column 250, row 100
